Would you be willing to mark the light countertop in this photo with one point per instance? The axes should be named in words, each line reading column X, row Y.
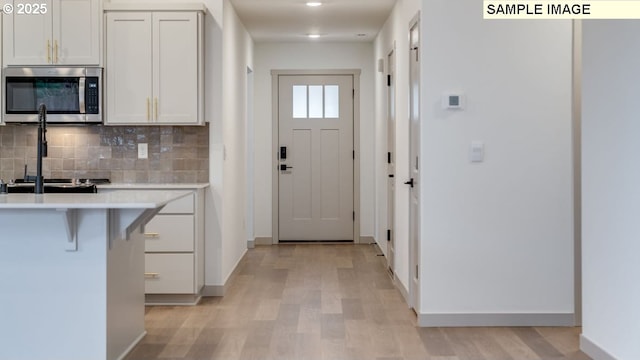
column 147, row 186
column 109, row 200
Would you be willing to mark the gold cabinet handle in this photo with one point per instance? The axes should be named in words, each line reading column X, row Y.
column 48, row 51
column 148, row 111
column 155, row 105
column 150, row 275
column 55, row 51
column 151, row 235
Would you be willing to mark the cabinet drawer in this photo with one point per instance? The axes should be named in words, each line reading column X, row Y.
column 184, row 205
column 169, row 233
column 169, row 274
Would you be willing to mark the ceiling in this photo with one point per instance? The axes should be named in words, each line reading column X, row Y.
column 292, row 20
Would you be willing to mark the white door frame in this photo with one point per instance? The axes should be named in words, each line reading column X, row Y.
column 275, row 199
column 414, row 241
column 391, row 160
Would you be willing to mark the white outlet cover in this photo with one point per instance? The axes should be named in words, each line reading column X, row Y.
column 476, row 151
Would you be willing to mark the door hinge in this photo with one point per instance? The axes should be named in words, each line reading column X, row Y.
column 389, row 80
column 388, row 157
column 353, row 154
column 353, row 93
column 388, row 234
column 417, row 273
column 354, row 216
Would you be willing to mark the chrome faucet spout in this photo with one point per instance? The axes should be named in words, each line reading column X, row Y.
column 42, row 147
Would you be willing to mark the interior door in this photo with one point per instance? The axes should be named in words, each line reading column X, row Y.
column 414, row 164
column 315, row 174
column 391, row 162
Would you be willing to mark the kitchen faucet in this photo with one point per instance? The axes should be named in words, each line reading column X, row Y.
column 42, row 147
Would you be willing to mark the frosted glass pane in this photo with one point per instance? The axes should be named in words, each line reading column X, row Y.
column 315, row 101
column 299, row 101
column 331, row 101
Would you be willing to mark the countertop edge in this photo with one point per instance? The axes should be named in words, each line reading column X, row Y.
column 111, row 200
column 149, row 186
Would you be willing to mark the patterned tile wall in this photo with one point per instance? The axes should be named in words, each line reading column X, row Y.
column 177, row 154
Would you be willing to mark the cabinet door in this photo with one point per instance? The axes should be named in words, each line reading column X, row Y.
column 128, row 68
column 76, row 32
column 27, row 37
column 1, row 87
column 169, row 233
column 168, row 274
column 175, row 64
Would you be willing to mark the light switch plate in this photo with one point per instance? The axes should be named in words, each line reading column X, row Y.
column 143, row 151
column 476, row 151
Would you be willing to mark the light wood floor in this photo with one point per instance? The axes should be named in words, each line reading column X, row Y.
column 328, row 302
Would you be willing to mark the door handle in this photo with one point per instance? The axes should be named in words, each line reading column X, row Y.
column 410, row 182
column 284, row 167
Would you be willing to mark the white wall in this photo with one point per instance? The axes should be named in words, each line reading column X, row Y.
column 611, row 196
column 237, row 55
column 310, row 56
column 394, row 32
column 497, row 236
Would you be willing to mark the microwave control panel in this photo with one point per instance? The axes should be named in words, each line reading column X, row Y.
column 92, row 95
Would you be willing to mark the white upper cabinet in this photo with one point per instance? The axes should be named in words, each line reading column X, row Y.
column 52, row 32
column 128, row 73
column 175, row 67
column 154, row 68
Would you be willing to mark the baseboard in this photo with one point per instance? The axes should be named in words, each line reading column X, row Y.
column 263, row 241
column 213, row 290
column 132, row 345
column 367, row 240
column 403, row 290
column 472, row 320
column 220, row 290
column 594, row 351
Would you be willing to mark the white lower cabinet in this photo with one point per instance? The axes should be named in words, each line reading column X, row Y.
column 174, row 249
column 168, row 273
column 170, row 233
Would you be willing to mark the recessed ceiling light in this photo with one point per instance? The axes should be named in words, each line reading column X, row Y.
column 313, row 36
column 361, row 35
column 314, row 3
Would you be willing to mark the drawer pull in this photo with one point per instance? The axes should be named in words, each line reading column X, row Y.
column 151, row 235
column 151, row 275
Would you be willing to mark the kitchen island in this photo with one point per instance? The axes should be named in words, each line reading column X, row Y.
column 71, row 273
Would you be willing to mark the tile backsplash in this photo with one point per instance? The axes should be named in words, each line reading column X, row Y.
column 176, row 154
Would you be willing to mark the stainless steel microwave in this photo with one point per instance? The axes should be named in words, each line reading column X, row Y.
column 71, row 95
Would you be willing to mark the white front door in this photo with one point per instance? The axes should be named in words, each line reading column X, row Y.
column 414, row 167
column 316, row 155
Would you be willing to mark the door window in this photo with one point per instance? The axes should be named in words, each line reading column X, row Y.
column 316, row 101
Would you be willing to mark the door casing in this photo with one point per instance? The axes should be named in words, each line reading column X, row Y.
column 414, row 166
column 275, row 193
column 391, row 160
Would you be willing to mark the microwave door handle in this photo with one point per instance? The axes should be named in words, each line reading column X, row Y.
column 81, row 94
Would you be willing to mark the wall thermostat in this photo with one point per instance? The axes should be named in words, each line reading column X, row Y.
column 453, row 101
